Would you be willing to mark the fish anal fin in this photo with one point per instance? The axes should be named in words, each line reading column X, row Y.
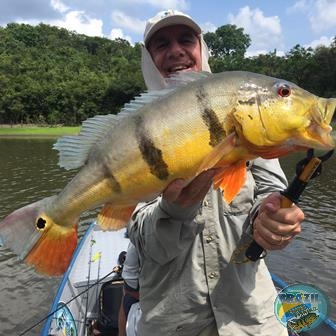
column 111, row 218
column 223, row 148
column 230, row 180
column 52, row 253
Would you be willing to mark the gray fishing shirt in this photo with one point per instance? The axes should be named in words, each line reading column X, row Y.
column 186, row 279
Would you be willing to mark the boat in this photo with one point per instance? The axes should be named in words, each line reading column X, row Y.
column 90, row 291
column 89, row 295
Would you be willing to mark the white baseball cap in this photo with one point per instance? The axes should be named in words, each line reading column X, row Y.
column 167, row 18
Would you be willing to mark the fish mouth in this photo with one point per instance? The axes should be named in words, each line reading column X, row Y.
column 320, row 136
column 319, row 132
column 327, row 106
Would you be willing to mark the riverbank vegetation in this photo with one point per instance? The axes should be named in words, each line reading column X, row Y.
column 52, row 76
column 34, row 130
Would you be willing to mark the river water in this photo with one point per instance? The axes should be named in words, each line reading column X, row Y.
column 29, row 172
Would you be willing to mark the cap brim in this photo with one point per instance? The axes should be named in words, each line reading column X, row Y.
column 172, row 21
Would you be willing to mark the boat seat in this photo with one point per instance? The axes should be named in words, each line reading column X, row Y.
column 109, row 303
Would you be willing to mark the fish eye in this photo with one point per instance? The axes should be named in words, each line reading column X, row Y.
column 41, row 224
column 284, row 90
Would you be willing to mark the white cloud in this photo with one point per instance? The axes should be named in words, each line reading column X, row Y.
column 208, row 27
column 122, row 20
column 81, row 23
column 77, row 21
column 323, row 17
column 59, row 6
column 301, row 5
column 322, row 41
column 265, row 32
column 320, row 13
column 118, row 33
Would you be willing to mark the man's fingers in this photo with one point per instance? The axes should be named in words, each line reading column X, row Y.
column 173, row 190
column 194, row 192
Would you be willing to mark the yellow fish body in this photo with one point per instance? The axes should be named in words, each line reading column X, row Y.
column 208, row 120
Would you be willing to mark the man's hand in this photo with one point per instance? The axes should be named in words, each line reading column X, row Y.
column 186, row 195
column 275, row 227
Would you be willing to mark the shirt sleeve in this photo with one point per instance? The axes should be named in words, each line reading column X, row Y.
column 162, row 230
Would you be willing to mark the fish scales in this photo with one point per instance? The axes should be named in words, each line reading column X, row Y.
column 148, row 147
column 209, row 120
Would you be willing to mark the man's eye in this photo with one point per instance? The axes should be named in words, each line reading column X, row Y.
column 188, row 36
column 160, row 45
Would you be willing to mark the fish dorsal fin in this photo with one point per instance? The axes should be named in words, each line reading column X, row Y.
column 144, row 99
column 74, row 150
column 183, row 78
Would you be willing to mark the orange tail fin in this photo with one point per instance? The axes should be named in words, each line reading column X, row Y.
column 52, row 253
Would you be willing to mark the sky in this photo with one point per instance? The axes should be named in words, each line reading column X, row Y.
column 271, row 24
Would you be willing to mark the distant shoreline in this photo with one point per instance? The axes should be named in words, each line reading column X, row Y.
column 11, row 131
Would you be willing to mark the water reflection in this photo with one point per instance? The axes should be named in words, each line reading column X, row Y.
column 28, row 172
column 311, row 257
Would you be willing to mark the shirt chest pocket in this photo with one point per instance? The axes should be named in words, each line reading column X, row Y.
column 243, row 201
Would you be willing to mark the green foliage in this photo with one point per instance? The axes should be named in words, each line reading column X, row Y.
column 50, row 75
column 227, row 40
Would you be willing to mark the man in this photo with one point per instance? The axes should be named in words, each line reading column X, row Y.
column 186, row 237
column 129, row 303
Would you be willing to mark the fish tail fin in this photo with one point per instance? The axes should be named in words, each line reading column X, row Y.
column 231, row 180
column 111, row 218
column 52, row 253
column 37, row 240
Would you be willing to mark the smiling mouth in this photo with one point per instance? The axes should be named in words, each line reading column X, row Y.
column 178, row 68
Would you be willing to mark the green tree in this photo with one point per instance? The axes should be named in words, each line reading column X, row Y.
column 323, row 76
column 50, row 74
column 227, row 40
column 299, row 64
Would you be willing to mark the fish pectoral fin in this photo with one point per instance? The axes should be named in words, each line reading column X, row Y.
column 52, row 253
column 112, row 218
column 230, row 180
column 216, row 155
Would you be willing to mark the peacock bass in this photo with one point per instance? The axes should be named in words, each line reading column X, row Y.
column 202, row 121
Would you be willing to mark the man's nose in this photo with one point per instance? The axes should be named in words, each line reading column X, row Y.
column 176, row 49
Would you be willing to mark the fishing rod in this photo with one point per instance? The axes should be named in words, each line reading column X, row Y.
column 88, row 280
column 115, row 270
column 308, row 168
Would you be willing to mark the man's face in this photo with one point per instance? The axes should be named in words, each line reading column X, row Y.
column 175, row 49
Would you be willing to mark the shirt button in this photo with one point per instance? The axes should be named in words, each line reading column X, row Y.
column 205, row 203
column 209, row 239
column 213, row 275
